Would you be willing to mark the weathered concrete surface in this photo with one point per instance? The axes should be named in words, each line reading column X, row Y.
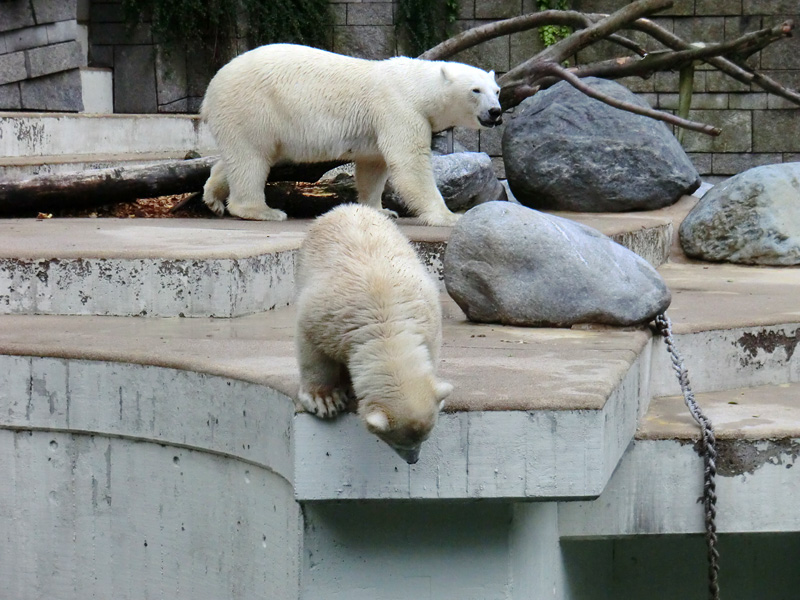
column 547, row 386
column 172, row 267
column 48, row 134
column 769, row 412
column 657, row 483
column 735, row 326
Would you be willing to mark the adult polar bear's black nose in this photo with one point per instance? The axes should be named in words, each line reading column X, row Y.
column 495, row 112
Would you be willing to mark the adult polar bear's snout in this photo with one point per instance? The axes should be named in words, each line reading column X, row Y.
column 288, row 102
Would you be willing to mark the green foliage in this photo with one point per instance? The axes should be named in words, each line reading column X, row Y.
column 421, row 24
column 550, row 34
column 215, row 25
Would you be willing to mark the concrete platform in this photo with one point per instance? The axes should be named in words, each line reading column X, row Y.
column 169, row 453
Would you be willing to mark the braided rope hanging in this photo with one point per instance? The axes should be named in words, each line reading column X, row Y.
column 708, row 449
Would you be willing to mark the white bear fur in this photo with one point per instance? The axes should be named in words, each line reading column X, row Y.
column 369, row 325
column 288, row 102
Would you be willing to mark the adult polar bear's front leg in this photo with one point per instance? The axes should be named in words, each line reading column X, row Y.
column 406, row 148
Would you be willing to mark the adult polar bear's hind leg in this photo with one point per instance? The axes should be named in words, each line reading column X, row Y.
column 216, row 190
column 287, row 102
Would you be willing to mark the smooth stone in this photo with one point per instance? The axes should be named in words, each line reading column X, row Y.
column 509, row 264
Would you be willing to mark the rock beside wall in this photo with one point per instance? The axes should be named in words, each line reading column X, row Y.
column 752, row 218
column 566, row 151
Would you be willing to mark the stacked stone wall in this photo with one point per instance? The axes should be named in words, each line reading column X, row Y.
column 41, row 54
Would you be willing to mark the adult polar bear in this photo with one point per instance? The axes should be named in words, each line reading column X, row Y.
column 288, row 102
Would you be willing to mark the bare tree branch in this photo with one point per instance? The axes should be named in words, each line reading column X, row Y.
column 726, row 66
column 672, row 60
column 579, row 85
column 534, row 74
column 477, row 35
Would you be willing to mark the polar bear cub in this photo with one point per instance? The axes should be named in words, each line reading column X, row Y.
column 288, row 102
column 369, row 325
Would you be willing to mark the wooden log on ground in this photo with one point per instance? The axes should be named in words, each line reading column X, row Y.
column 45, row 193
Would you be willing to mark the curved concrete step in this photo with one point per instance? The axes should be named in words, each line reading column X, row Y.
column 196, row 267
column 659, row 480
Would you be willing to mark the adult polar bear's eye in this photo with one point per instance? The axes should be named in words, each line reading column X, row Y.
column 476, row 90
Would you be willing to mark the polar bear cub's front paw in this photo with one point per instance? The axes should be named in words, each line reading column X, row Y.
column 323, row 402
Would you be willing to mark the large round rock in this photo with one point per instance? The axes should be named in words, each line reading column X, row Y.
column 752, row 218
column 506, row 263
column 566, row 151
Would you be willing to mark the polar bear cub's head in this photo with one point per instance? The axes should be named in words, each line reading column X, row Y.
column 399, row 396
column 474, row 97
column 404, row 425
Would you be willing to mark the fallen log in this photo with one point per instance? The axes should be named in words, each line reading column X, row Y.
column 63, row 191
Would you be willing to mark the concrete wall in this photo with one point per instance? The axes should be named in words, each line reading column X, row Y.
column 142, row 482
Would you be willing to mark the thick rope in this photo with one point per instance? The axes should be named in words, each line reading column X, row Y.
column 708, row 448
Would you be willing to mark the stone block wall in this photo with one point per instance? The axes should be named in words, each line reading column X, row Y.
column 41, row 54
column 757, row 128
column 148, row 76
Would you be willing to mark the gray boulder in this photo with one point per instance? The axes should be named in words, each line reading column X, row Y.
column 506, row 263
column 566, row 151
column 752, row 218
column 465, row 179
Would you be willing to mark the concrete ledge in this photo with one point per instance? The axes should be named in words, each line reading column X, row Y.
column 179, row 267
column 53, row 134
column 521, row 393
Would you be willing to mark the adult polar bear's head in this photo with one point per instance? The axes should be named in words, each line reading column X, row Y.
column 473, row 94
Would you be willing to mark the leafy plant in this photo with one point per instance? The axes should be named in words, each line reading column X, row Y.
column 216, row 25
column 550, row 34
column 421, row 24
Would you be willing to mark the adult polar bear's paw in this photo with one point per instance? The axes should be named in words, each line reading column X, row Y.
column 261, row 212
column 325, row 403
column 440, row 219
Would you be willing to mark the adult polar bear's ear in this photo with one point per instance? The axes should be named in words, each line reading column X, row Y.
column 442, row 390
column 377, row 421
column 446, row 74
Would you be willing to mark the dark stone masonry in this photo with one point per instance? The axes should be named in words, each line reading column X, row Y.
column 45, row 44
